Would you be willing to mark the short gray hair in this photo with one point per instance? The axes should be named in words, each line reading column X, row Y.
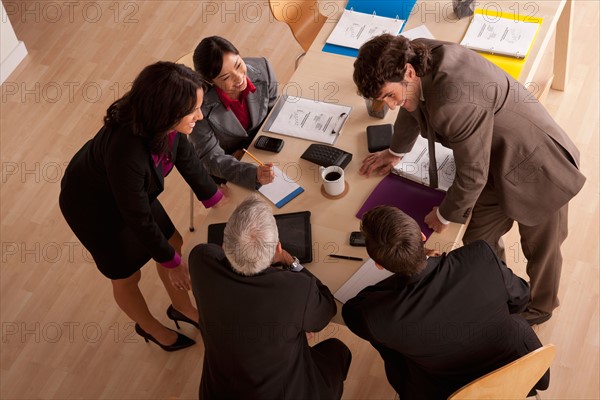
column 251, row 236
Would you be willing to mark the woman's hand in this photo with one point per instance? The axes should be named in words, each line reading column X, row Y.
column 226, row 196
column 180, row 277
column 381, row 163
column 265, row 174
column 433, row 222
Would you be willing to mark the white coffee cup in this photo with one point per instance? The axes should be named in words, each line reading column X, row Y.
column 333, row 180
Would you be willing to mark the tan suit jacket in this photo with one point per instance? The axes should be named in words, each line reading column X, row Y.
column 500, row 134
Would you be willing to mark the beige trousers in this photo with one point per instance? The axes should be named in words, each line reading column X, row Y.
column 540, row 243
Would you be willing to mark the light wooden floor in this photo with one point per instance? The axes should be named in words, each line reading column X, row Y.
column 62, row 334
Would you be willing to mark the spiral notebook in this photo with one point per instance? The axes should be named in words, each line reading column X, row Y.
column 355, row 28
column 397, row 9
column 501, row 33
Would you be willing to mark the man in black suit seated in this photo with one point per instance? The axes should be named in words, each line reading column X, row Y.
column 254, row 317
column 441, row 321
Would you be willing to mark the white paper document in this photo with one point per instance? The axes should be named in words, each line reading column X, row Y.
column 420, row 31
column 281, row 190
column 355, row 28
column 498, row 35
column 415, row 164
column 367, row 275
column 308, row 119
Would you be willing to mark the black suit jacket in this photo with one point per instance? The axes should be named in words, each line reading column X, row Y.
column 448, row 325
column 109, row 186
column 254, row 329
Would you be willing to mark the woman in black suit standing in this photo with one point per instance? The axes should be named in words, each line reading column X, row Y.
column 110, row 189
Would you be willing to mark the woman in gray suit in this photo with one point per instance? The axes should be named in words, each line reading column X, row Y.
column 242, row 92
column 513, row 161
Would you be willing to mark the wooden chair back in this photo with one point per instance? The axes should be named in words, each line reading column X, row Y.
column 512, row 381
column 302, row 16
column 187, row 60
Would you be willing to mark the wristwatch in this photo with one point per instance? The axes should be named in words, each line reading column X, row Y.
column 295, row 266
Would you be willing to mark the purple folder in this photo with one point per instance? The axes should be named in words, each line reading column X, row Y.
column 413, row 198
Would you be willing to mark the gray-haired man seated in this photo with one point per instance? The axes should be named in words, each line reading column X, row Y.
column 254, row 317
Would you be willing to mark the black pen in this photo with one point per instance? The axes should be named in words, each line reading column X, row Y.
column 346, row 257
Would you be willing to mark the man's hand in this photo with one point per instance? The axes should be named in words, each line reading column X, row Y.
column 433, row 222
column 380, row 163
column 180, row 277
column 265, row 174
column 432, row 252
column 285, row 258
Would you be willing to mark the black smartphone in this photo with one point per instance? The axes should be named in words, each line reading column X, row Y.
column 379, row 137
column 269, row 144
column 357, row 239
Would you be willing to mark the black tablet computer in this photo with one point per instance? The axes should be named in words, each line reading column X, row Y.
column 294, row 234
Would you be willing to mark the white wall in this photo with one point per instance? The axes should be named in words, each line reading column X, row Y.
column 12, row 51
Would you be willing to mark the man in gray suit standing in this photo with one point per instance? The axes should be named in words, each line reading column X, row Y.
column 513, row 162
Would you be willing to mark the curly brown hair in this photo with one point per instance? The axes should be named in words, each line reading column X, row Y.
column 394, row 240
column 384, row 58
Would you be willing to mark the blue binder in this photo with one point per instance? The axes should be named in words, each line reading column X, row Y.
column 383, row 8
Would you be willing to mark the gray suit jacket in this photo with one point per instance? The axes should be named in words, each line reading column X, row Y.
column 500, row 134
column 220, row 133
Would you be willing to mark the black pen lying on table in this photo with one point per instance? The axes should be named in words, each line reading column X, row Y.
column 346, row 257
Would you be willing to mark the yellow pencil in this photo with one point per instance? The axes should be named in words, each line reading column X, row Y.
column 255, row 159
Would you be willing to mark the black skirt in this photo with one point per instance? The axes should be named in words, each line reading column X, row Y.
column 117, row 252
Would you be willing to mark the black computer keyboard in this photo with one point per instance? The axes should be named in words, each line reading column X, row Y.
column 326, row 156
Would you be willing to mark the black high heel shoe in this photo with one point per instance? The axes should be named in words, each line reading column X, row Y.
column 176, row 316
column 181, row 343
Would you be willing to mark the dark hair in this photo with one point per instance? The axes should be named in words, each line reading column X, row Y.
column 161, row 95
column 208, row 56
column 384, row 58
column 394, row 240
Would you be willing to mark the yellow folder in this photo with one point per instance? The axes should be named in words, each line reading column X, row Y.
column 511, row 65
